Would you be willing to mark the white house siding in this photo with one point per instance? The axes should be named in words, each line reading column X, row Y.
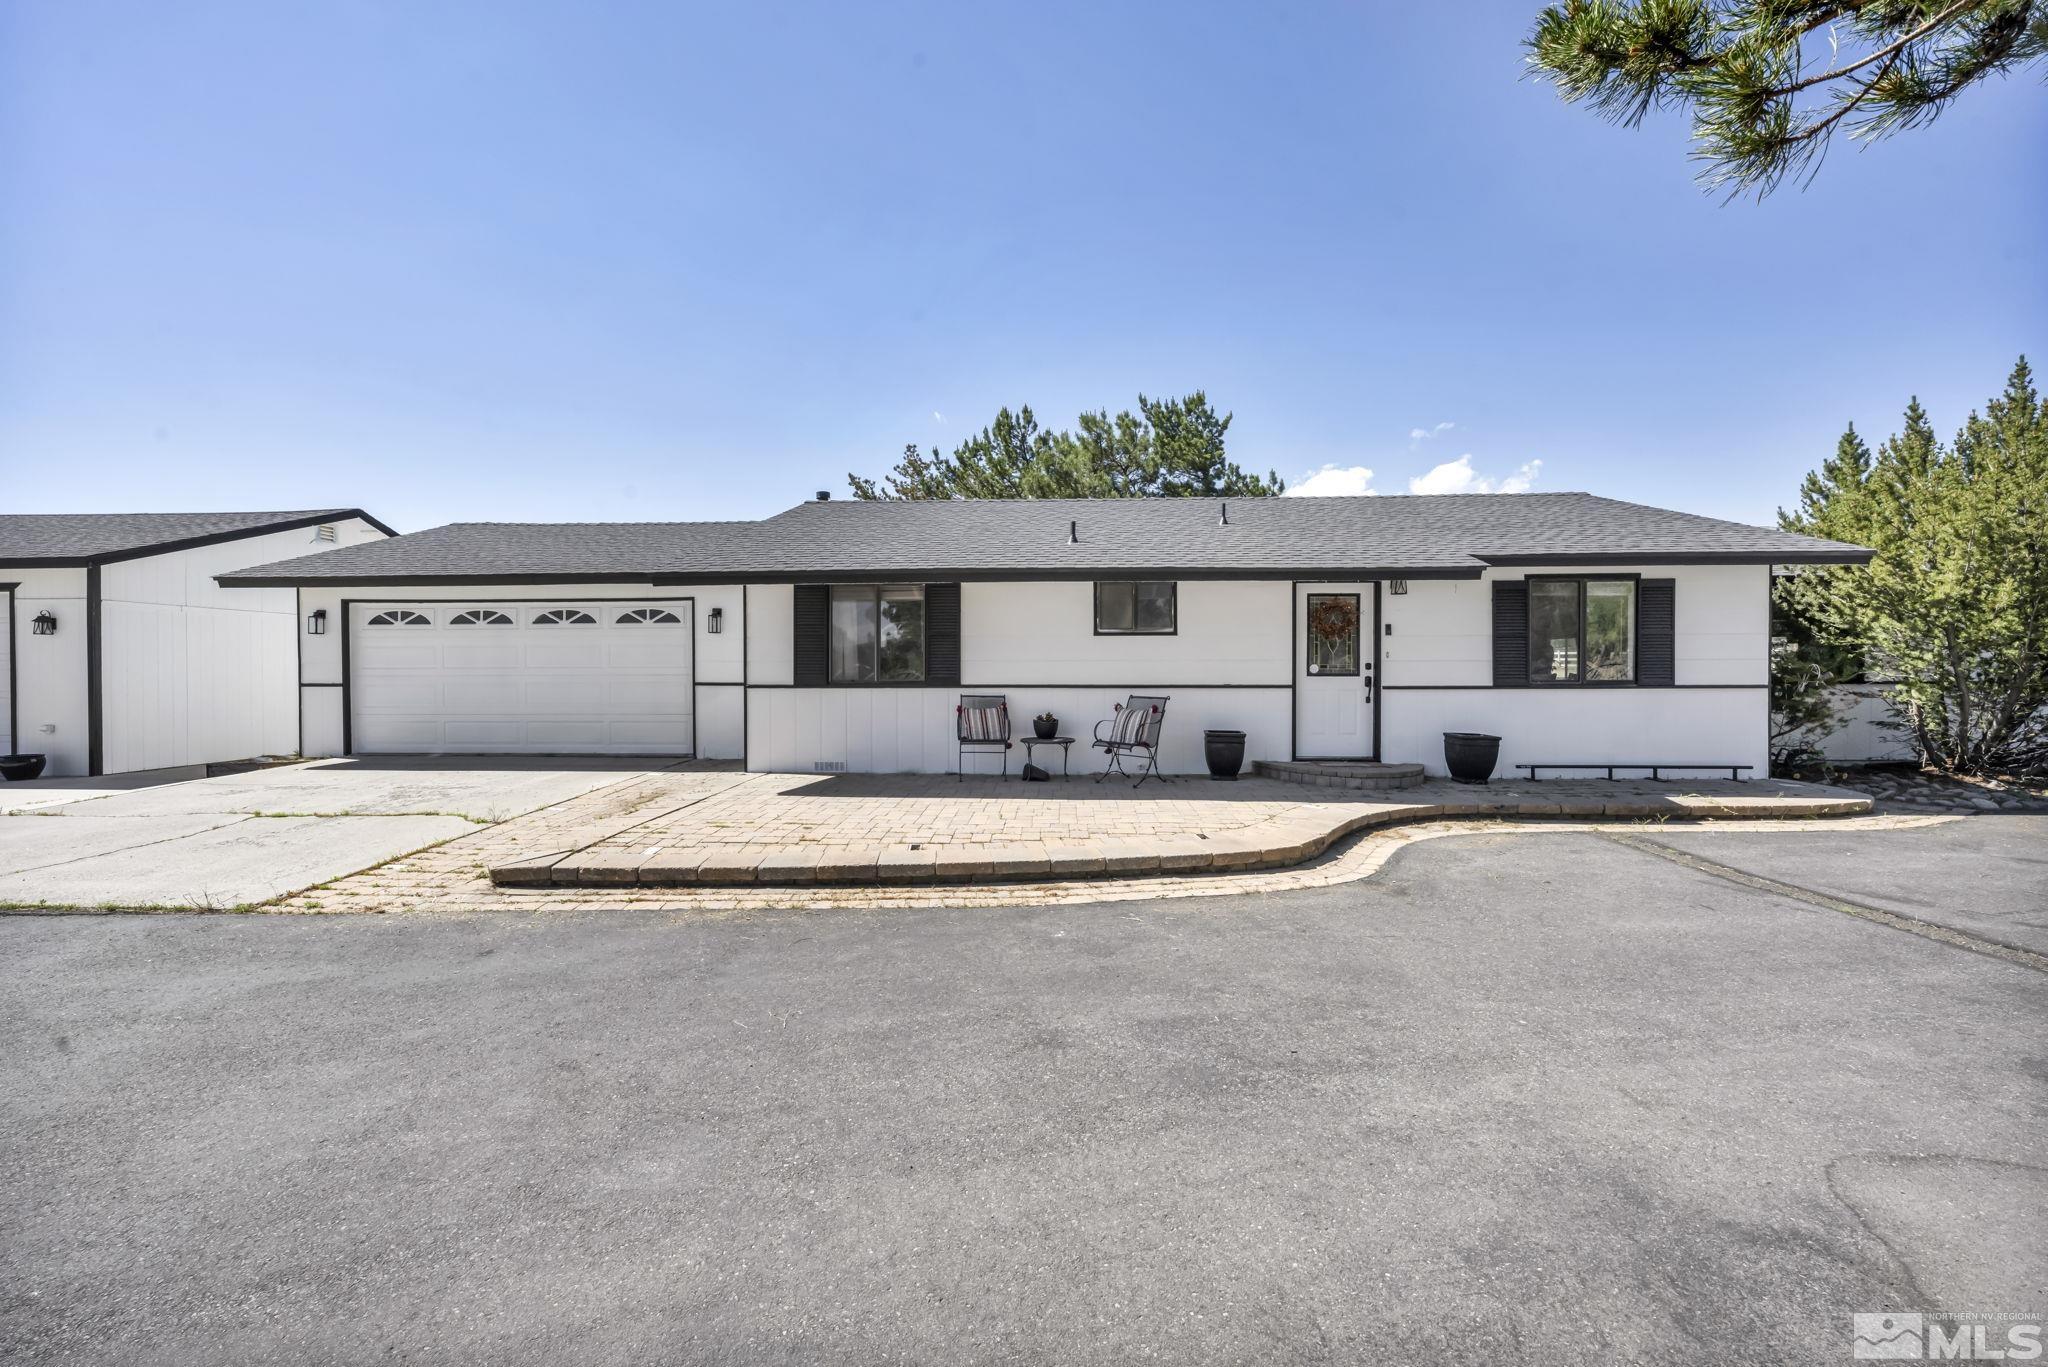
column 1227, row 666
column 1863, row 737
column 1437, row 670
column 49, row 671
column 192, row 673
column 719, row 699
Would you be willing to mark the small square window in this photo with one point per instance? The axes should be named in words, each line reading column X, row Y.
column 1136, row 607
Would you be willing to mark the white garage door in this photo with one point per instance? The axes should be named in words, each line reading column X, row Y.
column 597, row 678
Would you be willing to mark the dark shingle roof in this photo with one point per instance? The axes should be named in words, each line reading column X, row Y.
column 82, row 538
column 1451, row 535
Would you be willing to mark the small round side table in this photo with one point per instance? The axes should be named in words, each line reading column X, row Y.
column 1065, row 744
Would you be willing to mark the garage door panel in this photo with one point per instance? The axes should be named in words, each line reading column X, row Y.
column 396, row 735
column 481, row 655
column 570, row 735
column 481, row 693
column 565, row 693
column 647, row 654
column 390, row 654
column 657, row 735
column 462, row 731
column 402, row 693
column 636, row 694
column 533, row 687
column 581, row 651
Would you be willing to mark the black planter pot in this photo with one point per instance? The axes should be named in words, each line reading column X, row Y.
column 1046, row 729
column 19, row 768
column 1225, row 753
column 1470, row 756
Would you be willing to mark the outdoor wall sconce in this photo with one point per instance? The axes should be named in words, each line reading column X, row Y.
column 714, row 621
column 1397, row 586
column 44, row 623
column 316, row 622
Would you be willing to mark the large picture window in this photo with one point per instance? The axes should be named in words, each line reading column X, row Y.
column 877, row 633
column 1136, row 607
column 1582, row 630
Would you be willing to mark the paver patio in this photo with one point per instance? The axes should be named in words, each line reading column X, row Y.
column 796, row 830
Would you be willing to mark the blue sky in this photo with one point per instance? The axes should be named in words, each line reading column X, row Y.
column 652, row 261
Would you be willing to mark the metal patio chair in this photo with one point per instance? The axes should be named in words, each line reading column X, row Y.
column 1133, row 733
column 982, row 724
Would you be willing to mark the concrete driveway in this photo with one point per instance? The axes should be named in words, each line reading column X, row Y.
column 245, row 838
column 1538, row 1099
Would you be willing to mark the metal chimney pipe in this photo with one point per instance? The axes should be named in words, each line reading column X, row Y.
column 1073, row 532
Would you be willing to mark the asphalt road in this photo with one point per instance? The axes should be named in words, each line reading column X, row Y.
column 1528, row 1099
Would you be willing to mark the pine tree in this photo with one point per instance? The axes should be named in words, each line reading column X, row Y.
column 1746, row 69
column 1955, row 603
column 1168, row 448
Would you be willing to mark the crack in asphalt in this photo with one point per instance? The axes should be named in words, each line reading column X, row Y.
column 1862, row 911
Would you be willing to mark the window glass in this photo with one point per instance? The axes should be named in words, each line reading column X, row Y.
column 1333, row 633
column 853, row 635
column 877, row 634
column 1553, row 630
column 901, row 657
column 1135, row 606
column 1610, row 651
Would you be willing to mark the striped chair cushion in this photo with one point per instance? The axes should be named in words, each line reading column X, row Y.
column 1130, row 726
column 985, row 723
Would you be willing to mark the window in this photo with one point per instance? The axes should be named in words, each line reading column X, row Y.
column 1136, row 607
column 564, row 617
column 400, row 617
column 877, row 633
column 1582, row 630
column 1333, row 634
column 647, row 617
column 480, row 617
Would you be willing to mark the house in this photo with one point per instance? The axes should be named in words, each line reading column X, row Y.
column 838, row 636
column 121, row 652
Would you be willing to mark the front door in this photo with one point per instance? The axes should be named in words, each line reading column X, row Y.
column 1335, row 628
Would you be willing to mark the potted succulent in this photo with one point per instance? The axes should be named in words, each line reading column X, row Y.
column 1046, row 725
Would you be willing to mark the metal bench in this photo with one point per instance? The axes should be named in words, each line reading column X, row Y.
column 1735, row 771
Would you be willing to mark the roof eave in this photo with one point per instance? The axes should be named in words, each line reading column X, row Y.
column 72, row 562
column 1855, row 556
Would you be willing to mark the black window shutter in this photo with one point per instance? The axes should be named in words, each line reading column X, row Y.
column 942, row 634
column 1510, row 633
column 813, row 627
column 1656, row 632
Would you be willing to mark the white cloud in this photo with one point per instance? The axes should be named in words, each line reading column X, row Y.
column 937, row 416
column 1458, row 477
column 1420, row 434
column 1333, row 480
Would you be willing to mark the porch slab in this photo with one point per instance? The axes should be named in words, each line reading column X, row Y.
column 787, row 830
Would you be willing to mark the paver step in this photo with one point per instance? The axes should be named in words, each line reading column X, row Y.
column 1323, row 774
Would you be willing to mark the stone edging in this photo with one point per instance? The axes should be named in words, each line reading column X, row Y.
column 1278, row 843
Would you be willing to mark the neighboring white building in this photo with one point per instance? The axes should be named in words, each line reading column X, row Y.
column 840, row 636
column 122, row 652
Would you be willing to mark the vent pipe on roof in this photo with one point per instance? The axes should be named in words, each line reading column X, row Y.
column 1073, row 532
column 1224, row 519
column 824, row 495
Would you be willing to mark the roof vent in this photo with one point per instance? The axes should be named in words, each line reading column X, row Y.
column 1223, row 519
column 325, row 532
column 824, row 495
column 1073, row 532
